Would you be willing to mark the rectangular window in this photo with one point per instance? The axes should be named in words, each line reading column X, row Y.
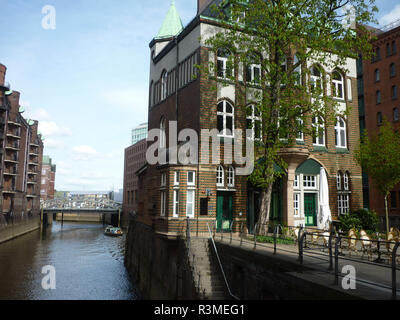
column 191, row 178
column 190, row 195
column 163, row 179
column 296, row 183
column 163, row 203
column 310, row 182
column 343, row 204
column 296, row 204
column 176, row 204
column 176, row 178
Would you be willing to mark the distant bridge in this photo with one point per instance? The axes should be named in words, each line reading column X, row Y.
column 84, row 210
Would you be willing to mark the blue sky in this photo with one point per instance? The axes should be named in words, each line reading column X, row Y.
column 87, row 80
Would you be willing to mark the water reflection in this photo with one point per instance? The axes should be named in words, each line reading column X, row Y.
column 89, row 265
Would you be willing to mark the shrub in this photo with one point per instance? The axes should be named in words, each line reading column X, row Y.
column 360, row 219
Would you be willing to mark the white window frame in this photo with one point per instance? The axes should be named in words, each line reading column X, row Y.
column 297, row 70
column 314, row 79
column 296, row 204
column 163, row 137
column 190, row 191
column 192, row 183
column 176, row 178
column 343, row 203
column 339, row 180
column 337, row 84
column 176, row 204
column 251, row 67
column 253, row 117
column 220, row 176
column 346, row 185
column 231, row 177
column 338, row 132
column 319, row 127
column 163, row 203
column 296, row 182
column 224, row 61
column 224, row 116
column 311, row 181
column 163, row 180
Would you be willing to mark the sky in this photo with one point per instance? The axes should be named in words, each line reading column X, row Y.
column 86, row 81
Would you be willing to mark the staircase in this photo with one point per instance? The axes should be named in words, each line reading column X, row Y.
column 207, row 276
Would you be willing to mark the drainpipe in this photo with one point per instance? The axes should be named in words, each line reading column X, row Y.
column 176, row 76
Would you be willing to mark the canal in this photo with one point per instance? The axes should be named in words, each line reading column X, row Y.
column 88, row 265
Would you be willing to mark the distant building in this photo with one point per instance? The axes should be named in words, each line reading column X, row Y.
column 48, row 179
column 379, row 98
column 135, row 158
column 21, row 150
column 139, row 133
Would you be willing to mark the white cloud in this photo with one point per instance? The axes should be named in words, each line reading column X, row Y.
column 83, row 153
column 51, row 129
column 51, row 143
column 39, row 114
column 391, row 16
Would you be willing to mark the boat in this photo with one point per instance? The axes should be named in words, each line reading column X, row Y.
column 113, row 231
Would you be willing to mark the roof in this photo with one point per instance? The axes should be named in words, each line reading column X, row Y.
column 172, row 24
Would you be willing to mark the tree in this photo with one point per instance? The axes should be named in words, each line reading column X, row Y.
column 282, row 46
column 379, row 156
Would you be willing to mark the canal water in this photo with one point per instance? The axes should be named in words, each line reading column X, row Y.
column 88, row 265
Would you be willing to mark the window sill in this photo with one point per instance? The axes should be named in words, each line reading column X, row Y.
column 342, row 150
column 320, row 149
column 300, row 142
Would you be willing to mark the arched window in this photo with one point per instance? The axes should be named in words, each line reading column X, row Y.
column 392, row 69
column 225, row 119
column 338, row 85
column 253, row 119
column 379, row 118
column 346, row 184
column 377, row 75
column 231, row 177
column 220, row 176
column 340, row 133
column 319, row 127
column 164, row 77
column 378, row 97
column 316, row 79
column 162, row 132
column 394, row 49
column 339, row 180
column 253, row 70
column 396, row 114
column 224, row 70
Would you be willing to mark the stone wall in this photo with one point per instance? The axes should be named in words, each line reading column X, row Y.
column 157, row 264
column 10, row 231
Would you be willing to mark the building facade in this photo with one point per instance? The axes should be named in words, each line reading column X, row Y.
column 139, row 133
column 47, row 184
column 21, row 150
column 380, row 99
column 212, row 193
column 135, row 158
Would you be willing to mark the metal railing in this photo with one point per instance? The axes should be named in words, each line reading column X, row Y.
column 219, row 261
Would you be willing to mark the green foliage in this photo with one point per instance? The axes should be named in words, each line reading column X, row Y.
column 362, row 219
column 379, row 155
column 269, row 239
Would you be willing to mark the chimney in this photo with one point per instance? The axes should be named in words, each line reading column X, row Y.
column 202, row 4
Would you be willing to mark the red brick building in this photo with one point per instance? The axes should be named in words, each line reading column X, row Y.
column 135, row 158
column 379, row 82
column 47, row 183
column 212, row 193
column 21, row 150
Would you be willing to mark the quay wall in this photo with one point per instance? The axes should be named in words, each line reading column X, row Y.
column 11, row 230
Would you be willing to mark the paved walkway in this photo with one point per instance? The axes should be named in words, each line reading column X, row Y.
column 373, row 281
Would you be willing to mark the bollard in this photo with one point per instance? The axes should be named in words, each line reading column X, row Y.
column 330, row 250
column 338, row 241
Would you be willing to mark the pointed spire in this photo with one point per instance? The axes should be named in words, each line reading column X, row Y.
column 172, row 24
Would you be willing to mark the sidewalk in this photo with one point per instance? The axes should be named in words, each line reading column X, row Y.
column 373, row 281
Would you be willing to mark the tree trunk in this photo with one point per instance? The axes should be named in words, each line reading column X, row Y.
column 263, row 219
column 387, row 215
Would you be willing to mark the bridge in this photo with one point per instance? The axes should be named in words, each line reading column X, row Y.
column 81, row 210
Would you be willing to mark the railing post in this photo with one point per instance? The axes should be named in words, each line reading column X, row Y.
column 394, row 278
column 231, row 231
column 255, row 236
column 330, row 250
column 337, row 244
column 241, row 234
column 378, row 245
column 275, row 235
column 301, row 240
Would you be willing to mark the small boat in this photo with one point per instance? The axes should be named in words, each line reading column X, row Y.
column 113, row 231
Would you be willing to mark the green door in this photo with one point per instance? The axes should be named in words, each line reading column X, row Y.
column 310, row 209
column 224, row 211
